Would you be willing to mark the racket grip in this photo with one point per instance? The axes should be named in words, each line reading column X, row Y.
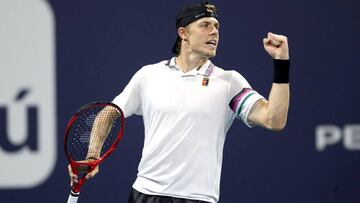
column 73, row 197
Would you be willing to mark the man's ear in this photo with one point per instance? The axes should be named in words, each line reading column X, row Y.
column 183, row 33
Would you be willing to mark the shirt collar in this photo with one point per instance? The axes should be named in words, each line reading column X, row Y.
column 204, row 70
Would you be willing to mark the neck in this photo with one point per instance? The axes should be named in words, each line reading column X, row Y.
column 188, row 62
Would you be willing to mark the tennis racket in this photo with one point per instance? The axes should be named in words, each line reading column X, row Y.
column 90, row 137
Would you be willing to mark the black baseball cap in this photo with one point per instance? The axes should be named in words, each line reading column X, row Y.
column 189, row 14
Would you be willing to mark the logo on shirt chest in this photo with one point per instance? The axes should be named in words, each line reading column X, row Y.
column 205, row 81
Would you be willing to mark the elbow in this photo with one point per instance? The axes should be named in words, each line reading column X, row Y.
column 277, row 128
column 276, row 125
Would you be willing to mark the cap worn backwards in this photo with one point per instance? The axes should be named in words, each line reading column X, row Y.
column 189, row 14
column 193, row 12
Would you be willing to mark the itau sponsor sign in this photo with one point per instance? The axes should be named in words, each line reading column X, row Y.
column 27, row 93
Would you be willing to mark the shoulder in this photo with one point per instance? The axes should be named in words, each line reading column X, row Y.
column 152, row 68
column 155, row 66
column 228, row 75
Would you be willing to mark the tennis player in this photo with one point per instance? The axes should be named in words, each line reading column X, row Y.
column 188, row 104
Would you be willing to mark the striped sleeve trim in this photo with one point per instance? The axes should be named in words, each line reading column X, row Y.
column 241, row 106
column 239, row 98
column 242, row 103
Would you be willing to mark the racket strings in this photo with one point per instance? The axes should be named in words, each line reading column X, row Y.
column 93, row 133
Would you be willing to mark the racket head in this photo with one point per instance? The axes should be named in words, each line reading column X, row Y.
column 91, row 135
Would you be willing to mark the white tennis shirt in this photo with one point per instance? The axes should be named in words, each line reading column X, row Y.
column 186, row 117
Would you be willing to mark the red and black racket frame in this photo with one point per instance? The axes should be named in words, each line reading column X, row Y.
column 91, row 164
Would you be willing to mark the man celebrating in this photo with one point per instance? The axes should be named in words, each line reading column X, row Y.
column 188, row 104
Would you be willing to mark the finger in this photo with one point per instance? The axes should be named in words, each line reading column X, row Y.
column 275, row 40
column 71, row 174
column 70, row 170
column 73, row 180
column 276, row 36
column 266, row 40
column 73, row 177
column 273, row 36
column 92, row 173
column 89, row 175
column 270, row 42
column 276, row 43
column 280, row 38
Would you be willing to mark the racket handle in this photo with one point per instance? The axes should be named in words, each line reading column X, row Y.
column 73, row 197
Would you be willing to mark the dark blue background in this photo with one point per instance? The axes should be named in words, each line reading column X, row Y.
column 101, row 44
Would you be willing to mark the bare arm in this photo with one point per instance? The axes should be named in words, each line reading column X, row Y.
column 100, row 131
column 272, row 113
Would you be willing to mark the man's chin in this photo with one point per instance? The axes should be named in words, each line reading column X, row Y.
column 207, row 53
column 211, row 54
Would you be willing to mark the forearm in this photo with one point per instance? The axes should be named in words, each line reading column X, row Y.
column 97, row 138
column 278, row 103
column 99, row 132
column 277, row 106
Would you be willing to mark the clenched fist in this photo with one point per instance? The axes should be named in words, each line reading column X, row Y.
column 276, row 46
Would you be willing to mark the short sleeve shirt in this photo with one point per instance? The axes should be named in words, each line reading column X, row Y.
column 186, row 118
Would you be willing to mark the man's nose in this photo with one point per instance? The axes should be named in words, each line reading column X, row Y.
column 214, row 31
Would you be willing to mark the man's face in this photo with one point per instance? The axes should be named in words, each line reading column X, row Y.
column 203, row 36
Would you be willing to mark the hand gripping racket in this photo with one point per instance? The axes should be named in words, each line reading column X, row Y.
column 90, row 137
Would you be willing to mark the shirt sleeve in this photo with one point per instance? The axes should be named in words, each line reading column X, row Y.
column 243, row 98
column 129, row 100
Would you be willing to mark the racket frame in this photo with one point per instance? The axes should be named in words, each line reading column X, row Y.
column 92, row 164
